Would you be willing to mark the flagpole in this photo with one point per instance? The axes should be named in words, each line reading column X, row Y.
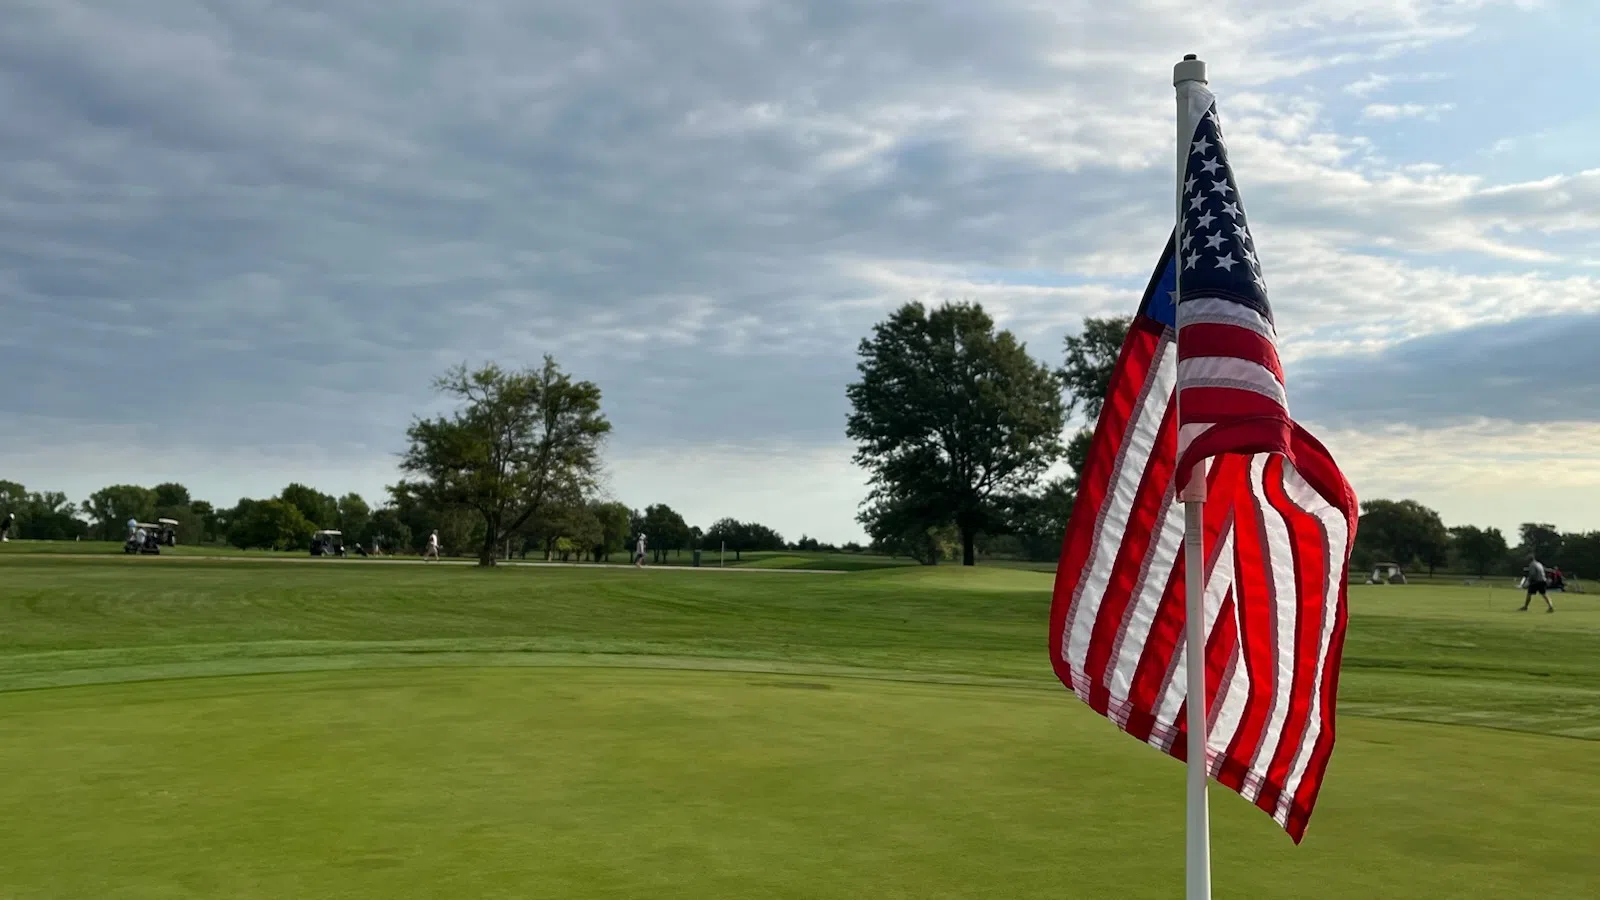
column 1197, row 851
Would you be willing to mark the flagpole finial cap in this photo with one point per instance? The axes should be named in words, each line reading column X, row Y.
column 1191, row 69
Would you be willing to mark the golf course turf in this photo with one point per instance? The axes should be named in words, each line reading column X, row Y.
column 177, row 728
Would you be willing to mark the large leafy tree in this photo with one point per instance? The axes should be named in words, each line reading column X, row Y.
column 1090, row 362
column 111, row 507
column 269, row 525
column 666, row 530
column 949, row 415
column 614, row 520
column 1404, row 531
column 355, row 516
column 518, row 439
column 1540, row 539
column 41, row 515
column 1480, row 549
column 321, row 510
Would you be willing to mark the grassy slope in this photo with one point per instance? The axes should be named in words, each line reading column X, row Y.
column 1428, row 653
column 494, row 782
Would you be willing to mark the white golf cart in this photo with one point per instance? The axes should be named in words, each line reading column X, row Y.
column 1386, row 573
column 327, row 543
column 147, row 538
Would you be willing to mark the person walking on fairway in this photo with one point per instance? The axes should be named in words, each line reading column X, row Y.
column 1537, row 585
column 433, row 547
column 5, row 526
column 638, row 551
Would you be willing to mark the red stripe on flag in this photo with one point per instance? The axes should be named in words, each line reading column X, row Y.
column 1141, row 532
column 1211, row 339
column 1133, row 369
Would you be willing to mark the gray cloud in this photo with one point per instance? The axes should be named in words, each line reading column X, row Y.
column 1530, row 371
column 247, row 229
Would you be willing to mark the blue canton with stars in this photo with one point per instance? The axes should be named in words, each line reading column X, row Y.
column 1216, row 253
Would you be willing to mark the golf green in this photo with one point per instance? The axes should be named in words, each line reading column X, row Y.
column 193, row 728
column 594, row 783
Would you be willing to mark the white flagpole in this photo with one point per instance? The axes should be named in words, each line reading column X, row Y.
column 1197, row 855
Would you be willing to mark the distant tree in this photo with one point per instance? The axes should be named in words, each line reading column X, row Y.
column 665, row 529
column 898, row 529
column 321, row 510
column 1090, row 361
column 209, row 521
column 171, row 494
column 110, row 508
column 727, row 534
column 1580, row 554
column 1404, row 531
column 1478, row 549
column 354, row 517
column 386, row 530
column 613, row 519
column 807, row 544
column 41, row 515
column 1541, row 540
column 1039, row 519
column 269, row 525
column 517, row 440
column 950, row 414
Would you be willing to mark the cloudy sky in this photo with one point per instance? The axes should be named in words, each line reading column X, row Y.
column 239, row 238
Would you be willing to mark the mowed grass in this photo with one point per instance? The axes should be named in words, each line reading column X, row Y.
column 408, row 731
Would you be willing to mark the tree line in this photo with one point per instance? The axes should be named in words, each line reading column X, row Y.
column 1414, row 537
column 962, row 434
column 514, row 469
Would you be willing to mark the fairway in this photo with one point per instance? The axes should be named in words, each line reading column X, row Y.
column 203, row 728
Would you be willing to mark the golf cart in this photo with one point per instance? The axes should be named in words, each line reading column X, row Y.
column 146, row 538
column 1386, row 573
column 327, row 543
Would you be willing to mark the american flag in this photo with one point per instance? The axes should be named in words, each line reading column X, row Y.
column 1280, row 520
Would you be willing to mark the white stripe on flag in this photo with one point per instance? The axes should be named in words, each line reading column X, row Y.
column 1280, row 572
column 1231, row 372
column 1146, row 600
column 1142, row 431
column 1215, row 311
column 1335, row 534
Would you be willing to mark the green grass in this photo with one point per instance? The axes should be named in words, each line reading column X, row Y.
column 194, row 728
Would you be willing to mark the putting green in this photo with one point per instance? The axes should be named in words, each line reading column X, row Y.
column 596, row 783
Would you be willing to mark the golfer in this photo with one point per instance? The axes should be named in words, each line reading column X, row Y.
column 638, row 551
column 433, row 547
column 5, row 526
column 1537, row 584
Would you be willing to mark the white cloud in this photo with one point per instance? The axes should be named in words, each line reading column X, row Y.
column 1487, row 473
column 1390, row 112
column 303, row 213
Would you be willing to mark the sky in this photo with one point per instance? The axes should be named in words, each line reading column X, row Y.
column 240, row 239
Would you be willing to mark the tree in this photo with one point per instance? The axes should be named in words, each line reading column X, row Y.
column 1580, row 553
column 1541, row 540
column 665, row 530
column 1039, row 519
column 727, row 534
column 1479, row 549
column 1404, row 531
column 209, row 521
column 1090, row 362
column 269, row 525
column 110, row 508
column 519, row 439
column 950, row 414
column 387, row 529
column 354, row 517
column 171, row 494
column 41, row 515
column 613, row 519
column 320, row 509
